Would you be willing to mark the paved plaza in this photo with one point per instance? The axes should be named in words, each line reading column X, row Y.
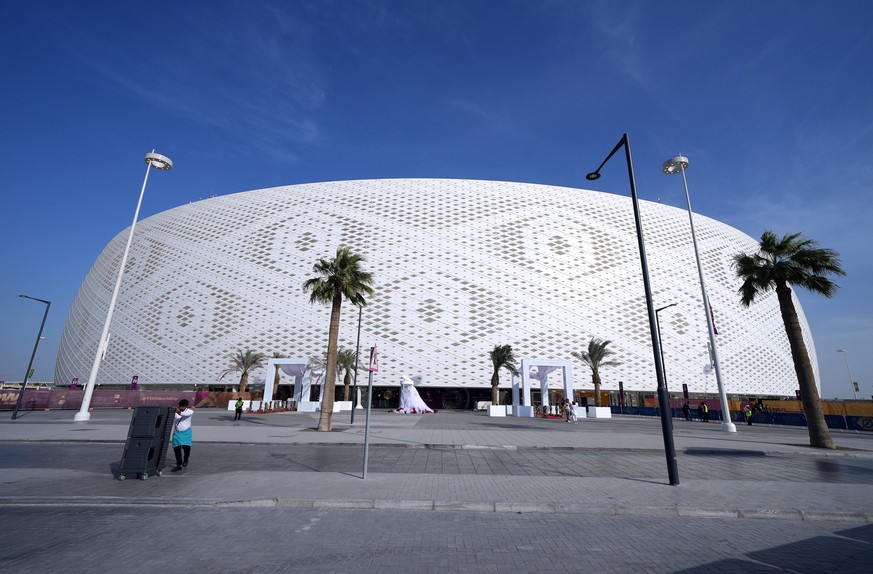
column 453, row 491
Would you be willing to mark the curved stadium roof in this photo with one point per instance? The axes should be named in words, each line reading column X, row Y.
column 459, row 266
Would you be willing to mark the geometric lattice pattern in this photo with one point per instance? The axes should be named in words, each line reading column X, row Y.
column 459, row 266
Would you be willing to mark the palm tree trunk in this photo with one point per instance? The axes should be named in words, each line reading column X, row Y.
column 596, row 380
column 495, row 391
column 347, row 383
column 325, row 421
column 819, row 435
column 243, row 382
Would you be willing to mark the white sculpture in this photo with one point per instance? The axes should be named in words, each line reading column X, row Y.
column 410, row 401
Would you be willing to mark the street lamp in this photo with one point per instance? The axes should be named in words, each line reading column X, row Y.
column 663, row 399
column 663, row 364
column 676, row 165
column 153, row 160
column 39, row 338
column 851, row 380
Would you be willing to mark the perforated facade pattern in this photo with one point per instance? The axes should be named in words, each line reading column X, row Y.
column 459, row 266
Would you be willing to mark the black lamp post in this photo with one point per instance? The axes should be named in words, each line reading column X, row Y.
column 48, row 305
column 663, row 363
column 663, row 398
column 357, row 352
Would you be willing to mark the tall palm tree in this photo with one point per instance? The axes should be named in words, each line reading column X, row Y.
column 243, row 362
column 779, row 264
column 502, row 357
column 336, row 278
column 596, row 358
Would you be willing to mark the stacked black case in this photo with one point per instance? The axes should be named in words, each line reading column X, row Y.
column 145, row 451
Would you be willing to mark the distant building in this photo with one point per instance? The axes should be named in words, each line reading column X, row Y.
column 460, row 266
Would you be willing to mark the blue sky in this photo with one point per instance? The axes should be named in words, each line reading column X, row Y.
column 771, row 101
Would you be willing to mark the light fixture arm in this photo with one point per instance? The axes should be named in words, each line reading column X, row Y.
column 596, row 173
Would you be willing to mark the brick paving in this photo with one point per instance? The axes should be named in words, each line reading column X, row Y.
column 449, row 458
column 238, row 540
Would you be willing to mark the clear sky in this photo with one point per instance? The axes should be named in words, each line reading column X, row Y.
column 770, row 100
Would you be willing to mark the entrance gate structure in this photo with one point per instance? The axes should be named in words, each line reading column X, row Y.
column 521, row 406
column 299, row 369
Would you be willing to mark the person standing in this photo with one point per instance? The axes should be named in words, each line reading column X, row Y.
column 686, row 410
column 182, row 435
column 567, row 410
column 705, row 412
column 238, row 406
column 748, row 412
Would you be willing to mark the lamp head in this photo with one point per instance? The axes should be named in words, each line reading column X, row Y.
column 159, row 161
column 675, row 165
column 593, row 175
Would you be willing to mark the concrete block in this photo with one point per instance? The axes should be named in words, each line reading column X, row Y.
column 496, row 410
column 599, row 413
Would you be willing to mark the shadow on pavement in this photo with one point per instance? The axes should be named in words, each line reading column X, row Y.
column 847, row 551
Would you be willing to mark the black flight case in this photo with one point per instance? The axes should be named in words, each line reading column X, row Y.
column 148, row 439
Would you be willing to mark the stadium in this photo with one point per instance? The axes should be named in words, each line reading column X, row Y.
column 459, row 266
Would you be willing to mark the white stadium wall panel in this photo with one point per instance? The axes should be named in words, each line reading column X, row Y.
column 459, row 267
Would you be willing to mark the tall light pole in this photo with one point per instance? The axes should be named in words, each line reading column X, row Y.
column 153, row 160
column 851, row 380
column 664, row 365
column 663, row 399
column 679, row 164
column 48, row 305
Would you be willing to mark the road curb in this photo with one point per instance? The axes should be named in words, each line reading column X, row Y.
column 689, row 451
column 418, row 505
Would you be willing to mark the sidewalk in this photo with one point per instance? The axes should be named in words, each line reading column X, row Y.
column 841, row 487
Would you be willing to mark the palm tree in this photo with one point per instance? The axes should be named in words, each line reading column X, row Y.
column 595, row 357
column 243, row 362
column 502, row 357
column 779, row 264
column 336, row 278
column 345, row 363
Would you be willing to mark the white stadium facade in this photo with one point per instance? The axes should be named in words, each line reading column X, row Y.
column 459, row 266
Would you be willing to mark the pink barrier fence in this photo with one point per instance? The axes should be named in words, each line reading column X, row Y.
column 72, row 400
